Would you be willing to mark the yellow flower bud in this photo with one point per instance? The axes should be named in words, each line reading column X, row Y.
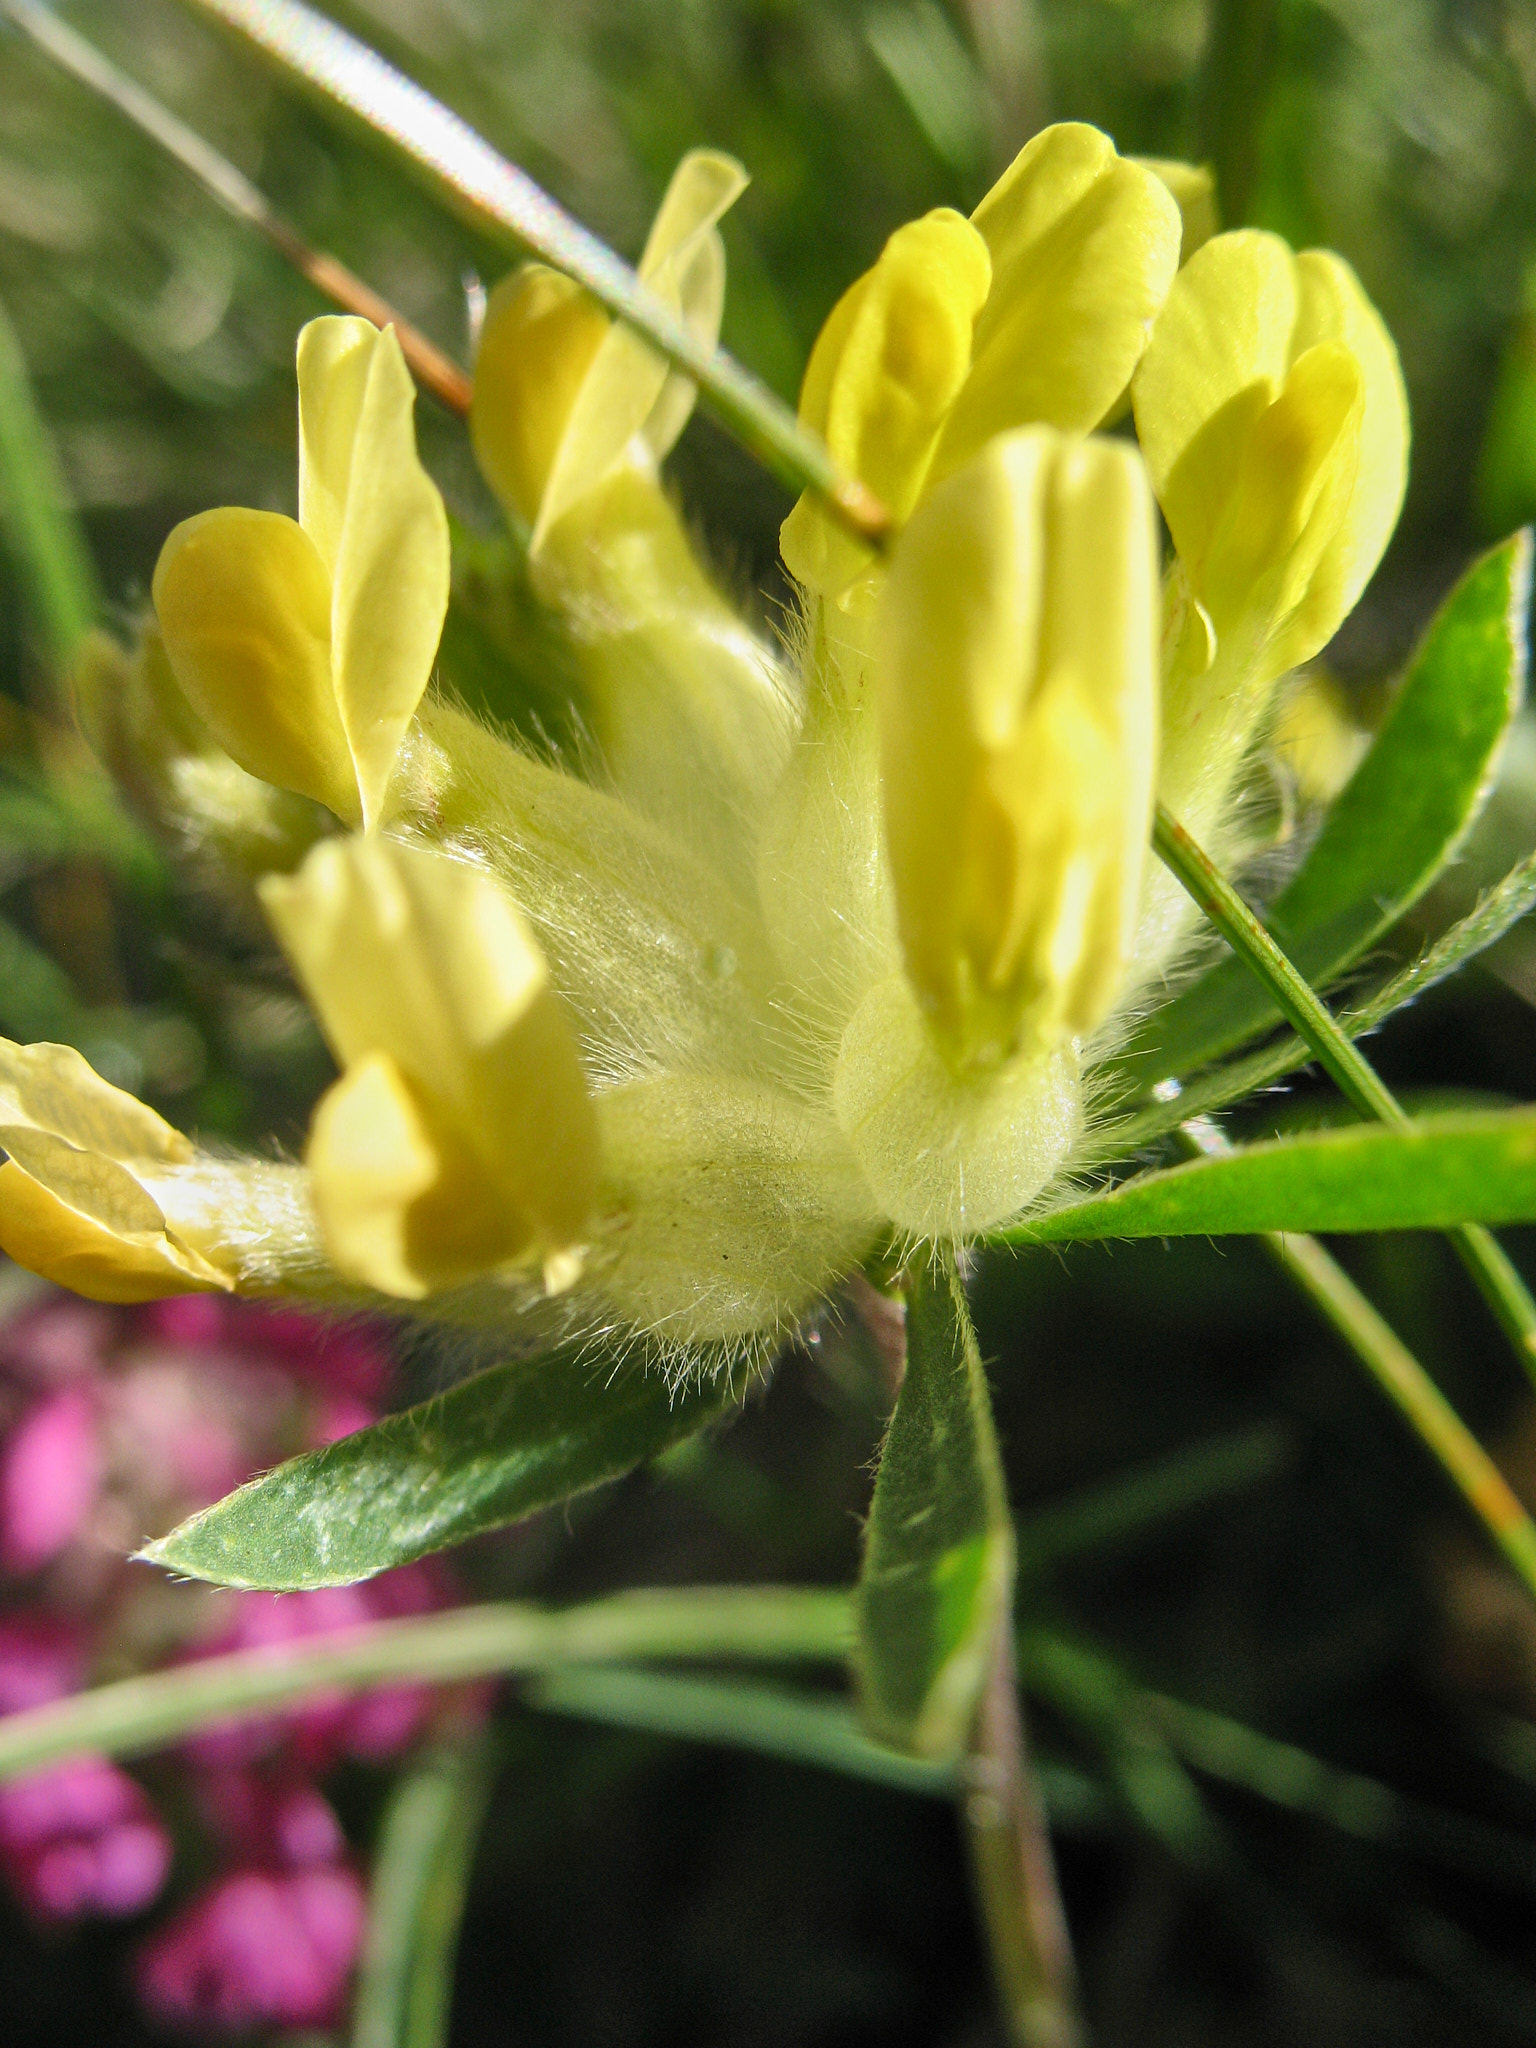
column 1036, row 310
column 460, row 1136
column 1271, row 410
column 1084, row 246
column 886, row 368
column 564, row 395
column 1015, row 662
column 305, row 646
column 75, row 1195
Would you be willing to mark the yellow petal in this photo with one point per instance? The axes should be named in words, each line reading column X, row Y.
column 1084, row 245
column 885, row 371
column 51, row 1088
column 1194, row 191
column 1271, row 410
column 1225, row 330
column 540, row 334
column 628, row 389
column 377, row 520
column 1016, row 651
column 410, row 953
column 41, row 1232
column 1334, row 308
column 404, row 1205
column 244, row 605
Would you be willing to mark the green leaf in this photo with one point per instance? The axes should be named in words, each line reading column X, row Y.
column 799, row 1727
column 505, row 1443
column 40, row 525
column 1396, row 824
column 938, row 1568
column 416, row 1898
column 1477, row 1166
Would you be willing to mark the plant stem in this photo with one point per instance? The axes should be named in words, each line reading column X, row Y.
column 1014, row 1869
column 1402, row 1379
column 505, row 202
column 1496, row 1279
column 433, row 370
column 38, row 518
column 772, row 1624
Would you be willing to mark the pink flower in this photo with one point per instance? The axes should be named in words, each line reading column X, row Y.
column 81, row 1838
column 256, row 1950
column 50, row 1474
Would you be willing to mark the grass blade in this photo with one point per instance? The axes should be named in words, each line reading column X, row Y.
column 40, row 524
column 421, row 1869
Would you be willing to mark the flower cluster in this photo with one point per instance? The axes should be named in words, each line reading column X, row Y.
column 115, row 1423
column 809, row 951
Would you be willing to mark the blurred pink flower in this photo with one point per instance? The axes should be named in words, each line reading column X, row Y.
column 259, row 1949
column 50, row 1474
column 81, row 1838
column 372, row 1725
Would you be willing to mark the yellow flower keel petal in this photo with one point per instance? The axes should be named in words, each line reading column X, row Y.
column 404, row 1206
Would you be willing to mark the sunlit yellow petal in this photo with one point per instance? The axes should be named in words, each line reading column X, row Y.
column 887, row 367
column 540, row 334
column 407, row 952
column 244, row 605
column 628, row 389
column 1194, row 190
column 52, row 1088
column 1334, row 308
column 41, row 1231
column 390, row 579
column 404, row 1205
column 335, row 358
column 1084, row 245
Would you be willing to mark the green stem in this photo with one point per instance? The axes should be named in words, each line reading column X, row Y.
column 1500, row 1285
column 1014, row 1869
column 1402, row 1379
column 1405, row 1382
column 505, row 202
column 760, row 1624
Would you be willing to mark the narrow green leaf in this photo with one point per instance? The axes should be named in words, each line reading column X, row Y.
column 1495, row 913
column 40, row 525
column 416, row 1898
column 505, row 1443
column 1396, row 824
column 1477, row 1166
column 799, row 1727
column 938, row 1566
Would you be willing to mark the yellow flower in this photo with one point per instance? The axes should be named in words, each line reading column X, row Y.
column 564, row 395
column 76, row 1200
column 1271, row 410
column 304, row 646
column 1015, row 665
column 1036, row 311
column 460, row 1136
